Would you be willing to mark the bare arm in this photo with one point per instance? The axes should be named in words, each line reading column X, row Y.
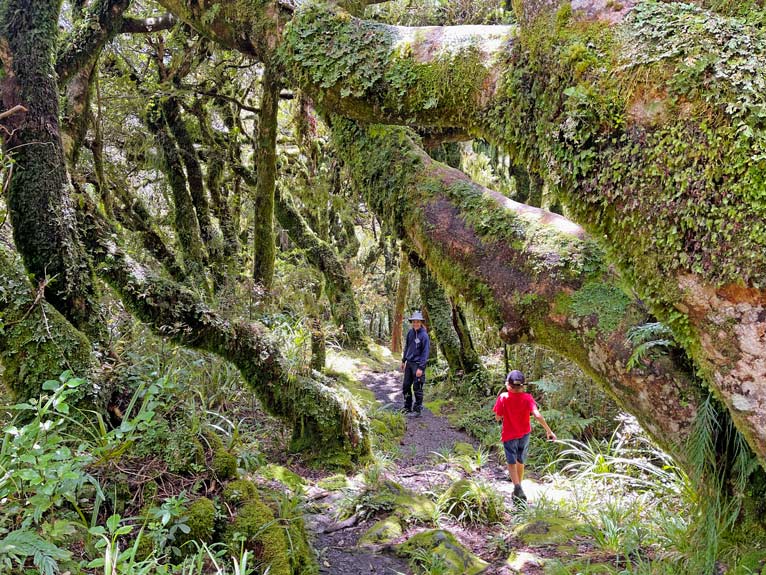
column 541, row 419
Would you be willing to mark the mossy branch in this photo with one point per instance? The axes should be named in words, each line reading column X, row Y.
column 535, row 273
column 324, row 419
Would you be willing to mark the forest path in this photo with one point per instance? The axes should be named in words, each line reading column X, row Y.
column 420, row 471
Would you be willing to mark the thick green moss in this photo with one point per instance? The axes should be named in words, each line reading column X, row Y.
column 607, row 303
column 409, row 507
column 239, row 491
column 361, row 59
column 283, row 475
column 200, row 518
column 457, row 559
column 256, row 527
column 334, row 482
column 663, row 159
column 550, row 531
column 170, row 440
column 384, row 531
column 224, row 464
column 36, row 342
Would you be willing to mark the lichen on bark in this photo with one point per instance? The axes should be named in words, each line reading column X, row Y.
column 39, row 194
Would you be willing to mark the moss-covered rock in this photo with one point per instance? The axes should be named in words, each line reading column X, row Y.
column 224, row 464
column 550, row 531
column 239, row 492
column 409, row 507
column 384, row 531
column 442, row 544
column 284, row 476
column 334, row 482
column 255, row 526
column 200, row 518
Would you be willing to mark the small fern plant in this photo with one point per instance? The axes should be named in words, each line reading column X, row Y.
column 648, row 338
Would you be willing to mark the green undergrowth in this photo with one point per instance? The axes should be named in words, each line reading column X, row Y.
column 143, row 487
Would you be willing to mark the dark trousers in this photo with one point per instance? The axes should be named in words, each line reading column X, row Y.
column 411, row 384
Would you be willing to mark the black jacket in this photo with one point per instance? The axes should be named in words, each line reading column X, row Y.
column 417, row 347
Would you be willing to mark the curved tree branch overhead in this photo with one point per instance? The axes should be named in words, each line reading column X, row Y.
column 641, row 147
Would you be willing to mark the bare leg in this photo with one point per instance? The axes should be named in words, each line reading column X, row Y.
column 514, row 473
column 520, row 471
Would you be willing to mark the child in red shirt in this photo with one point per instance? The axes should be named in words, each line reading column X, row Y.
column 513, row 407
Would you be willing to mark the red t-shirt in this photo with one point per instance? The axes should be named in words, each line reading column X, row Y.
column 515, row 409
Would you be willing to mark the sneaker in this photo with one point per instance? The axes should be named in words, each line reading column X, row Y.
column 519, row 495
column 405, row 410
column 418, row 414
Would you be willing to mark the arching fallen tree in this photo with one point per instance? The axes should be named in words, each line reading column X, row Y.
column 653, row 140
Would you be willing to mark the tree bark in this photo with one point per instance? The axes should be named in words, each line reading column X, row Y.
column 186, row 224
column 469, row 358
column 39, row 195
column 440, row 317
column 399, row 303
column 264, row 245
column 531, row 271
column 171, row 112
column 100, row 22
column 37, row 343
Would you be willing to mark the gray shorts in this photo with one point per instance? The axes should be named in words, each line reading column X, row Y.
column 516, row 449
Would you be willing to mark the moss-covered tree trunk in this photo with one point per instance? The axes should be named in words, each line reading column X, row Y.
column 171, row 112
column 439, row 309
column 469, row 357
column 400, row 301
column 322, row 256
column 534, row 273
column 326, row 421
column 264, row 246
column 185, row 221
column 318, row 343
column 39, row 194
column 36, row 342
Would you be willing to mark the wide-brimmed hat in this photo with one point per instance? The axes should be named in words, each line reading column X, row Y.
column 515, row 377
column 416, row 315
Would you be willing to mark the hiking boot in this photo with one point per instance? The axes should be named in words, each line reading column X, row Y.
column 519, row 495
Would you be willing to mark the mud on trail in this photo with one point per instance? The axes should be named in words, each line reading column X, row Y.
column 420, row 470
